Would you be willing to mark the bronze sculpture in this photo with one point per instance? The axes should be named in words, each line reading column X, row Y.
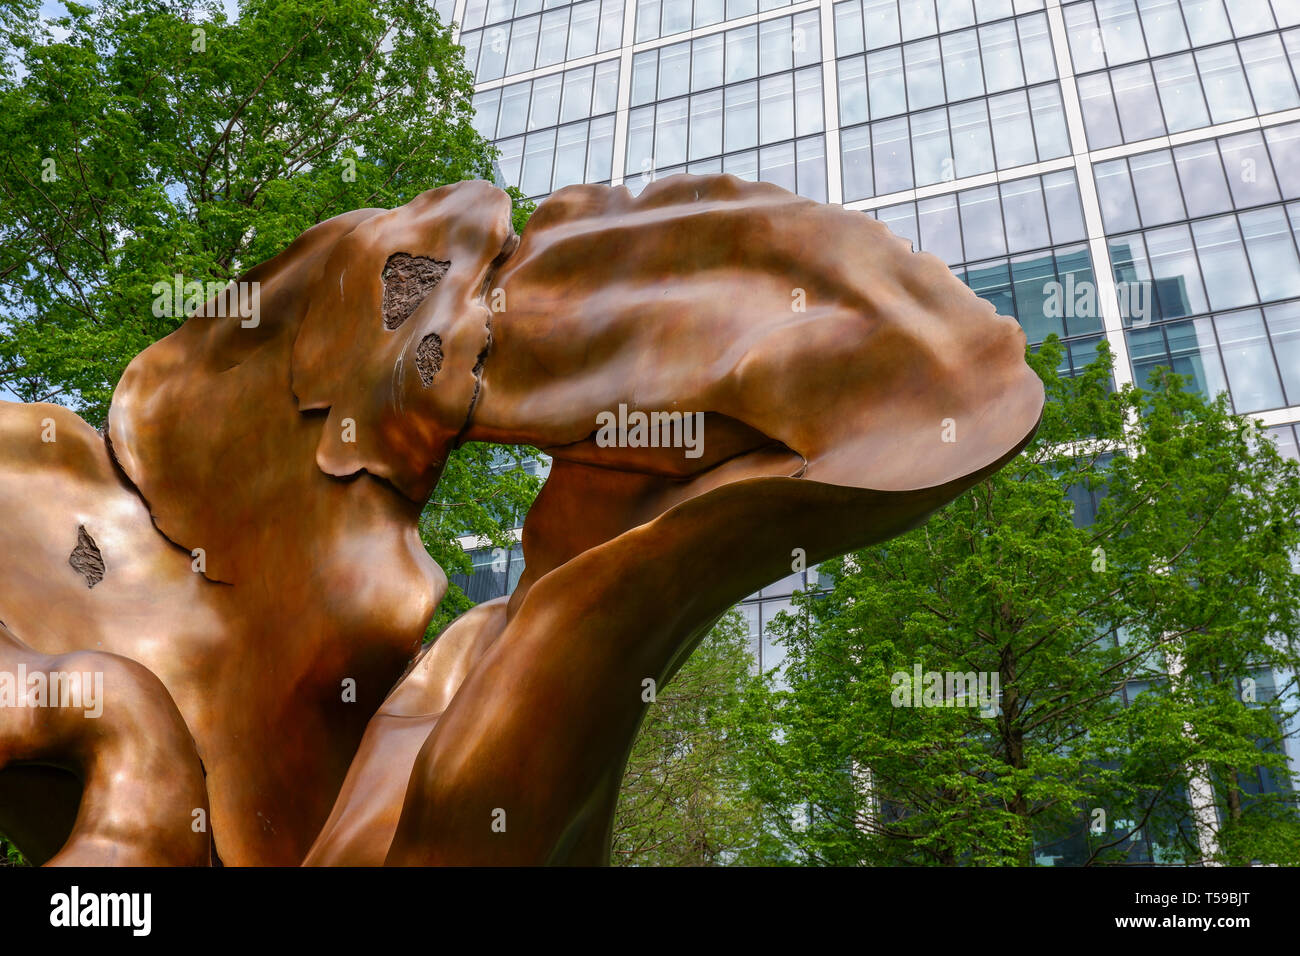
column 249, row 516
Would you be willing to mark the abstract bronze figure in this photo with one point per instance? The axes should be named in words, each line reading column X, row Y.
column 242, row 542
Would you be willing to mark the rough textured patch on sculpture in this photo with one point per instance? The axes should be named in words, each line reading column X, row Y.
column 287, row 464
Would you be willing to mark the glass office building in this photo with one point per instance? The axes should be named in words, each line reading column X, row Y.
column 1149, row 148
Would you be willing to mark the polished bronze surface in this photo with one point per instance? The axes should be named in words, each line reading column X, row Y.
column 247, row 533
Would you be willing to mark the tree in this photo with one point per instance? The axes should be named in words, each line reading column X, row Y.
column 683, row 801
column 1018, row 680
column 159, row 139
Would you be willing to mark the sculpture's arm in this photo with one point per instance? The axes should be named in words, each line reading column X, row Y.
column 111, row 728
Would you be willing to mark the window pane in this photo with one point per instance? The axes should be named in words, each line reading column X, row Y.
column 1064, row 209
column 1033, row 278
column 1156, row 186
column 881, row 21
column 1049, row 122
column 640, row 140
column 742, row 54
column 523, row 46
column 810, row 113
column 709, row 12
column 1099, row 117
column 741, row 117
column 1135, row 98
column 924, row 74
column 647, row 20
column 577, row 94
column 1206, row 21
column 1250, row 16
column 611, row 25
column 852, row 90
column 583, row 29
column 1268, row 73
column 1223, row 262
column 514, row 109
column 1074, row 269
column 807, row 39
column 1180, row 93
column 961, row 65
column 1175, row 273
column 1248, row 361
column 512, row 151
column 555, row 33
column 645, row 77
column 917, row 18
column 1250, row 174
column 485, row 112
column 676, row 17
column 931, row 151
column 892, row 156
column 971, row 139
column 885, row 82
column 1001, row 55
column 474, row 14
column 848, row 28
column 1013, row 136
column 1272, row 253
column 1036, row 49
column 774, row 46
column 1026, row 218
column 992, row 283
column 539, row 150
column 743, row 165
column 981, row 223
column 1284, row 147
column 570, row 155
column 1115, row 193
column 776, row 108
column 986, row 10
column 901, row 221
column 955, row 14
column 1284, row 329
column 674, row 70
column 1121, row 33
column 706, row 124
column 605, row 98
column 670, row 133
column 546, row 101
column 1201, row 174
column 1224, row 83
column 855, row 162
column 492, row 58
column 940, row 229
column 706, row 62
column 776, row 165
column 811, row 161
column 1162, row 22
column 1086, row 49
column 1128, row 260
column 600, row 150
column 1194, row 354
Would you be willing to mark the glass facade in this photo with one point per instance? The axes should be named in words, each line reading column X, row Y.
column 1147, row 150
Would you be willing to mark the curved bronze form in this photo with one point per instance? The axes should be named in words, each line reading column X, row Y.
column 249, row 523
